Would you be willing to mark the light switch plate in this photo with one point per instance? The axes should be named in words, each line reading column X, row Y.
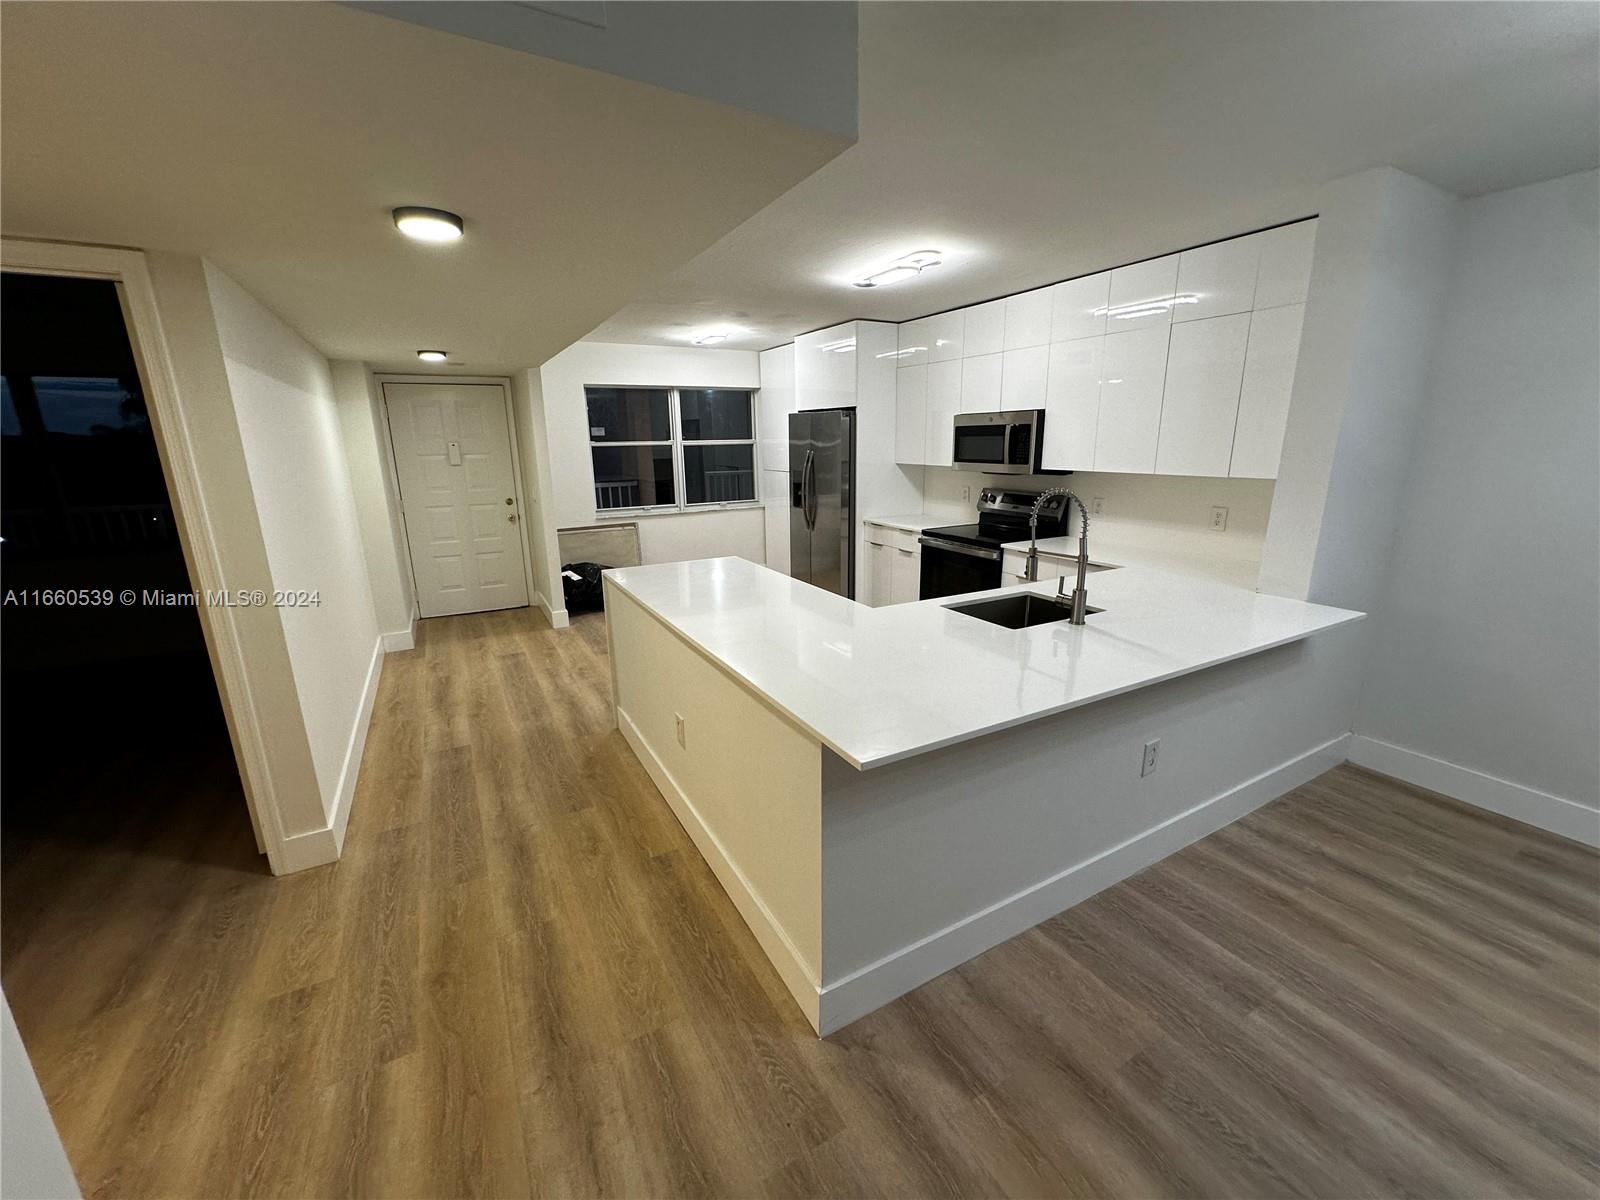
column 682, row 737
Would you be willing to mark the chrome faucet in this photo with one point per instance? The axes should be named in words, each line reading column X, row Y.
column 1080, row 593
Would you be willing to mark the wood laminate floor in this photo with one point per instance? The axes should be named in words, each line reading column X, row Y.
column 521, row 979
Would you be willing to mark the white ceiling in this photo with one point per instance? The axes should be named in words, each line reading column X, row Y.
column 1035, row 142
column 275, row 138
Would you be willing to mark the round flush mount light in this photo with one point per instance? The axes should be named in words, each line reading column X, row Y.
column 432, row 355
column 428, row 224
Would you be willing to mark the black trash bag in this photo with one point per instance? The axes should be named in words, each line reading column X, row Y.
column 580, row 583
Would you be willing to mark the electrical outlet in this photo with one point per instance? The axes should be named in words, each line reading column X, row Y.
column 966, row 493
column 1149, row 765
column 1097, row 505
column 1219, row 518
column 682, row 737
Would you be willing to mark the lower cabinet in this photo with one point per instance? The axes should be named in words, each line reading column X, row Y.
column 906, row 575
column 894, row 566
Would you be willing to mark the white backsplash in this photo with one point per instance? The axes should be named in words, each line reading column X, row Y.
column 1165, row 519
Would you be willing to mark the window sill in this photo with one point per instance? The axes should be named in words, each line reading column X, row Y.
column 632, row 514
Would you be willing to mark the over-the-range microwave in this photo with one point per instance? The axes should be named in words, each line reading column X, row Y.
column 999, row 443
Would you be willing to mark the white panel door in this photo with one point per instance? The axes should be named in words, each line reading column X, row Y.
column 985, row 329
column 1022, row 375
column 911, row 414
column 1221, row 277
column 1132, row 375
column 1028, row 319
column 452, row 451
column 944, row 402
column 1072, row 405
column 1284, row 275
column 1078, row 307
column 980, row 383
column 1200, row 405
column 1269, row 363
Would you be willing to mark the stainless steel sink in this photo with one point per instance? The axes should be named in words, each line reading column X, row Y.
column 1019, row 611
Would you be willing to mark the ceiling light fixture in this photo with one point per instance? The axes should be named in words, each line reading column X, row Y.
column 710, row 339
column 1145, row 308
column 428, row 224
column 432, row 355
column 902, row 269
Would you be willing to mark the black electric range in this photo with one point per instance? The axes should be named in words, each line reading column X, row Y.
column 967, row 558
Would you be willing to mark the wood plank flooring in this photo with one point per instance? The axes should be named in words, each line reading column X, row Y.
column 522, row 980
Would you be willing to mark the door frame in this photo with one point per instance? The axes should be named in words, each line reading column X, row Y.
column 169, row 424
column 504, row 384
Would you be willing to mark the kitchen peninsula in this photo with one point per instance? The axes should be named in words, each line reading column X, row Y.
column 887, row 792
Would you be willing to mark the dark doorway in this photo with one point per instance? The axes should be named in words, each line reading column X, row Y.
column 112, row 736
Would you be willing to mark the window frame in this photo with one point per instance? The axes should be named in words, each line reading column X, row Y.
column 680, row 481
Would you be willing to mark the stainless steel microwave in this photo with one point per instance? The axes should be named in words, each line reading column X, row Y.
column 999, row 443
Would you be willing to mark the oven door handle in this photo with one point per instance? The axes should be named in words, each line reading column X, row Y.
column 959, row 548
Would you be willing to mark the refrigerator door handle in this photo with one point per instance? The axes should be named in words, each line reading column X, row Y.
column 809, row 483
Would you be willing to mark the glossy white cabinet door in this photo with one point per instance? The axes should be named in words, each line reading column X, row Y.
column 906, row 581
column 775, row 500
column 1200, row 404
column 1269, row 363
column 1078, row 307
column 985, row 329
column 1022, row 376
column 980, row 383
column 825, row 368
column 911, row 414
column 1141, row 283
column 774, row 403
column 880, row 568
column 945, row 335
column 1284, row 274
column 1072, row 404
column 1221, row 277
column 1028, row 319
column 1132, row 375
column 944, row 402
column 914, row 344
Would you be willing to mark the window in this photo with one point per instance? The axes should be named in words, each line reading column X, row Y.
column 643, row 440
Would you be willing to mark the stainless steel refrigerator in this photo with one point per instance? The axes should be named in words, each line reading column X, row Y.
column 822, row 505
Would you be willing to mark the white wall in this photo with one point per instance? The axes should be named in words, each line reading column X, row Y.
column 283, row 397
column 1487, row 636
column 365, row 434
column 33, row 1163
column 533, row 449
column 662, row 537
column 1155, row 520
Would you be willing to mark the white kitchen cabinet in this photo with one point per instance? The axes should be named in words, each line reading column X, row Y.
column 905, row 576
column 1022, row 377
column 1078, row 307
column 1200, row 403
column 1269, row 363
column 880, row 566
column 825, row 368
column 985, row 329
column 774, row 404
column 1133, row 373
column 1284, row 273
column 945, row 334
column 1072, row 404
column 943, row 402
column 775, row 506
column 913, row 343
column 1221, row 277
column 1028, row 319
column 980, row 383
column 911, row 414
column 1142, row 283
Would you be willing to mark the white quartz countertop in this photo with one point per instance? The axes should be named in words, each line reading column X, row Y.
column 881, row 684
column 911, row 522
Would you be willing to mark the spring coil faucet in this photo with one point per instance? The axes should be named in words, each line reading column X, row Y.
column 1080, row 593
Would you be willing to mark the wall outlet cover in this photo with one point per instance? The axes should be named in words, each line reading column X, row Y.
column 682, row 737
column 1219, row 518
column 1148, row 766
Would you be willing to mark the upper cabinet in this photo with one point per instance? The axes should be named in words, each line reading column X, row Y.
column 774, row 404
column 1216, row 280
column 1141, row 295
column 1177, row 365
column 985, row 330
column 825, row 368
column 1028, row 319
column 1284, row 273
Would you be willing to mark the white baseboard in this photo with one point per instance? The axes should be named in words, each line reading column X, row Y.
column 774, row 941
column 557, row 616
column 874, row 985
column 1542, row 810
column 316, row 847
column 402, row 639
